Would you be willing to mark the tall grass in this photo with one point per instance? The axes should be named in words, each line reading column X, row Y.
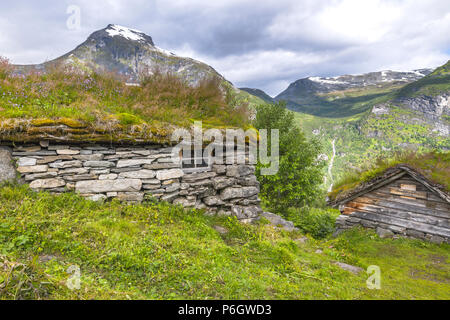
column 67, row 91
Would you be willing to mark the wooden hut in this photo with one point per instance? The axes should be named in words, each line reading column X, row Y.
column 400, row 201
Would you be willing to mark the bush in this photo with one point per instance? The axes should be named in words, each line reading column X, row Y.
column 317, row 222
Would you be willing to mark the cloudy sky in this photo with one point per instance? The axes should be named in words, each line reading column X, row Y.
column 263, row 44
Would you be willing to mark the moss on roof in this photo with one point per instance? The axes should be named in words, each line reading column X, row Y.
column 434, row 166
column 63, row 104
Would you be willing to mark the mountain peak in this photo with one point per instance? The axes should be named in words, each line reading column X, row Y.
column 131, row 34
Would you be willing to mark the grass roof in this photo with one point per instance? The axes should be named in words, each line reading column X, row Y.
column 434, row 166
column 67, row 104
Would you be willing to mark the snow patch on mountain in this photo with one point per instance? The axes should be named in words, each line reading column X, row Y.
column 130, row 34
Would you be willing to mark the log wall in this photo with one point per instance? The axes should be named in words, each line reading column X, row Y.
column 404, row 206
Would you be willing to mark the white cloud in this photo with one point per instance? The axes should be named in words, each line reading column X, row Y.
column 252, row 43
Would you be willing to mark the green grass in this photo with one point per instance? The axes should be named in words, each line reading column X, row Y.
column 104, row 103
column 160, row 251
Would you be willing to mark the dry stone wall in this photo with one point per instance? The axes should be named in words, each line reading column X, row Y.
column 136, row 173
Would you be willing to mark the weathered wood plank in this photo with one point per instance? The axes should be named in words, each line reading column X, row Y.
column 404, row 206
column 421, row 218
column 407, row 193
column 403, row 223
column 441, row 206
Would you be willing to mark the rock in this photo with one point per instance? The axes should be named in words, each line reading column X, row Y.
column 151, row 186
column 48, row 159
column 278, row 221
column 240, row 170
column 318, row 251
column 98, row 164
column 100, row 186
column 151, row 181
column 348, row 267
column 212, row 201
column 24, row 161
column 170, row 196
column 96, row 197
column 222, row 182
column 130, row 196
column 7, row 169
column 156, row 166
column 173, row 187
column 47, row 183
column 99, row 171
column 221, row 229
column 140, row 174
column 33, row 169
column 384, row 233
column 27, row 149
column 35, row 153
column 65, row 164
column 219, row 168
column 67, row 151
column 73, row 171
column 44, row 143
column 301, row 240
column 250, row 212
column 110, row 176
column 133, row 162
column 415, row 234
column 89, row 157
column 43, row 175
column 80, row 177
column 198, row 176
column 248, row 181
column 236, row 192
column 169, row 174
column 185, row 201
column 436, row 239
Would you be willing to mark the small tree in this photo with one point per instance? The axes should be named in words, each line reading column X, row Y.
column 300, row 175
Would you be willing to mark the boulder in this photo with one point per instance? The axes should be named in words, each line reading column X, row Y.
column 102, row 186
column 7, row 169
column 348, row 267
column 278, row 221
column 245, row 213
column 384, row 233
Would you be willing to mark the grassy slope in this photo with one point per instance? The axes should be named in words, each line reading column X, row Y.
column 158, row 251
column 101, row 102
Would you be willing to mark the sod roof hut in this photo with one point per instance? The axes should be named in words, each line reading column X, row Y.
column 399, row 201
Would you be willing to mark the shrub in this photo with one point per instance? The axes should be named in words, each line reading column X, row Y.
column 317, row 222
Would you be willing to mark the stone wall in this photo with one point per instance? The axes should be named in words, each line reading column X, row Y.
column 101, row 172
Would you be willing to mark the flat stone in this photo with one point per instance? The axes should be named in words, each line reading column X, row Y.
column 89, row 157
column 47, row 183
column 198, row 176
column 212, row 201
column 436, row 239
column 170, row 196
column 133, row 162
column 130, row 196
column 80, row 177
column 348, row 267
column 415, row 234
column 35, row 153
column 156, row 166
column 48, row 159
column 101, row 186
column 44, row 175
column 44, row 143
column 99, row 171
column 73, row 171
column 28, row 149
column 33, row 169
column 172, row 187
column 140, row 174
column 221, row 182
column 67, row 151
column 24, row 161
column 235, row 192
column 219, row 168
column 185, row 201
column 7, row 169
column 151, row 186
column 249, row 212
column 278, row 221
column 57, row 147
column 169, row 174
column 98, row 164
column 65, row 164
column 85, row 152
column 110, row 176
column 96, row 197
column 151, row 181
column 240, row 170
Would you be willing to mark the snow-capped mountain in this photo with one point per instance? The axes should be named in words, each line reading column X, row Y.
column 129, row 52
